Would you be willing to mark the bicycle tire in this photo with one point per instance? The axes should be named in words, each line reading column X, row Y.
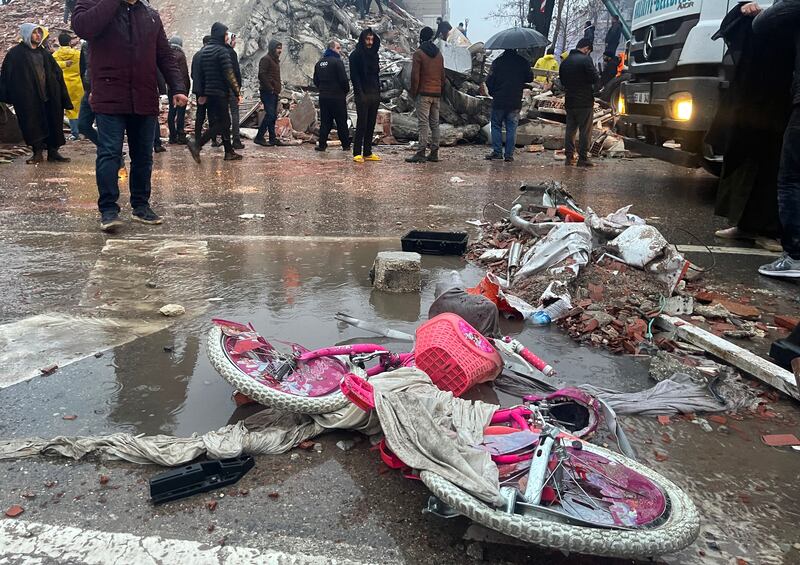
column 679, row 530
column 264, row 394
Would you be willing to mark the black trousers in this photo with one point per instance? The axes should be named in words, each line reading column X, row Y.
column 219, row 122
column 199, row 121
column 579, row 121
column 333, row 110
column 367, row 108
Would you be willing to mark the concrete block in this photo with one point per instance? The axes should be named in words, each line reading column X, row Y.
column 397, row 271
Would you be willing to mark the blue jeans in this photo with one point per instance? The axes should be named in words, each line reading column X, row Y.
column 111, row 129
column 510, row 118
column 86, row 118
column 789, row 187
column 270, row 102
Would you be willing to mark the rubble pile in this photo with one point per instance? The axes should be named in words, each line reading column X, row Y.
column 613, row 289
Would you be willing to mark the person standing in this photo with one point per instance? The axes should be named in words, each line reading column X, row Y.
column 213, row 84
column 588, row 31
column 579, row 79
column 176, row 118
column 330, row 78
column 123, row 71
column 427, row 86
column 270, row 86
column 546, row 63
column 364, row 69
column 200, row 114
column 69, row 59
column 507, row 79
column 613, row 35
column 33, row 83
column 86, row 115
column 776, row 23
column 233, row 100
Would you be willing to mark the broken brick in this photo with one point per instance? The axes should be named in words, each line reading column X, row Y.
column 49, row 370
column 705, row 297
column 664, row 420
column 273, row 495
column 780, row 440
column 716, row 418
column 787, row 322
column 665, row 438
column 596, row 292
column 590, row 326
column 69, row 417
column 721, row 327
column 585, row 303
column 738, row 309
column 661, row 457
column 211, row 505
column 14, row 511
column 307, row 444
column 104, row 479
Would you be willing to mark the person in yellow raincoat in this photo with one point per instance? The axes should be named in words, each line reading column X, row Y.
column 546, row 63
column 69, row 59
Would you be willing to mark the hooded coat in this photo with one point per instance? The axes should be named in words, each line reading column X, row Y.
column 215, row 75
column 176, row 44
column 546, row 63
column 269, row 70
column 330, row 76
column 427, row 71
column 365, row 67
column 128, row 45
column 69, row 60
column 33, row 83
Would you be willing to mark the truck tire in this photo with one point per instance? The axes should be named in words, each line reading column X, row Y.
column 678, row 531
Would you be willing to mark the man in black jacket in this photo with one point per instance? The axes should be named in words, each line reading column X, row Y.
column 200, row 115
column 613, row 36
column 330, row 78
column 213, row 84
column 781, row 22
column 579, row 79
column 234, row 100
column 364, row 69
column 507, row 79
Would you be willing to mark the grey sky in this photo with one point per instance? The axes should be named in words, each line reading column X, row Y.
column 480, row 29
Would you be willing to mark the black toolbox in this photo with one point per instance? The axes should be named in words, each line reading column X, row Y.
column 435, row 242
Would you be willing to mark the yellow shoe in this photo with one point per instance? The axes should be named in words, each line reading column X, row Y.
column 358, row 159
column 372, row 157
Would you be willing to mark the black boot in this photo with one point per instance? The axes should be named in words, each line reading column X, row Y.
column 55, row 157
column 37, row 156
column 232, row 156
column 434, row 155
column 418, row 157
column 259, row 140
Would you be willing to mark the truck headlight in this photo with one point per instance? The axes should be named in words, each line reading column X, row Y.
column 621, row 105
column 682, row 107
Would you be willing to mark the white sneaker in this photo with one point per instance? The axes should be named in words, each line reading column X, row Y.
column 784, row 267
column 734, row 233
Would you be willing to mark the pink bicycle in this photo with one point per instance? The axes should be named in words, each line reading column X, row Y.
column 293, row 378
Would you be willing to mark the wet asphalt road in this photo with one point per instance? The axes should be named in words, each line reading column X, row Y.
column 288, row 273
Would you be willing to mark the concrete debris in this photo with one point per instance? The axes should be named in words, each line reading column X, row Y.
column 397, row 271
column 172, row 310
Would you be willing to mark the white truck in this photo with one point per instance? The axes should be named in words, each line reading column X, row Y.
column 676, row 76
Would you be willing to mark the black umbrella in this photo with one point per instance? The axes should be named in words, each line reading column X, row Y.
column 517, row 38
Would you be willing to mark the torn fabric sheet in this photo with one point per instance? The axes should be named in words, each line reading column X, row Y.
column 427, row 428
column 676, row 395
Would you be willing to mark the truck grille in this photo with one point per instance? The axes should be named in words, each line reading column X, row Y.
column 667, row 40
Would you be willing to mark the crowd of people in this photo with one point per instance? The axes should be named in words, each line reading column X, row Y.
column 107, row 94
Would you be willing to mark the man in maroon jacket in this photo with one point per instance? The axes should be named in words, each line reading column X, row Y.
column 129, row 46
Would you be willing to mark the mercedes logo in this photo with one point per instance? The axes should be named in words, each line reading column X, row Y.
column 647, row 48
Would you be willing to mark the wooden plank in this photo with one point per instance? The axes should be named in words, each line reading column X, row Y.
column 740, row 358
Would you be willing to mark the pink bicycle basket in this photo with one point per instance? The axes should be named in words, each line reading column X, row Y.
column 454, row 354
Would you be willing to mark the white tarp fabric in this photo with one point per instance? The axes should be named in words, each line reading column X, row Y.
column 456, row 58
column 427, row 428
column 565, row 248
